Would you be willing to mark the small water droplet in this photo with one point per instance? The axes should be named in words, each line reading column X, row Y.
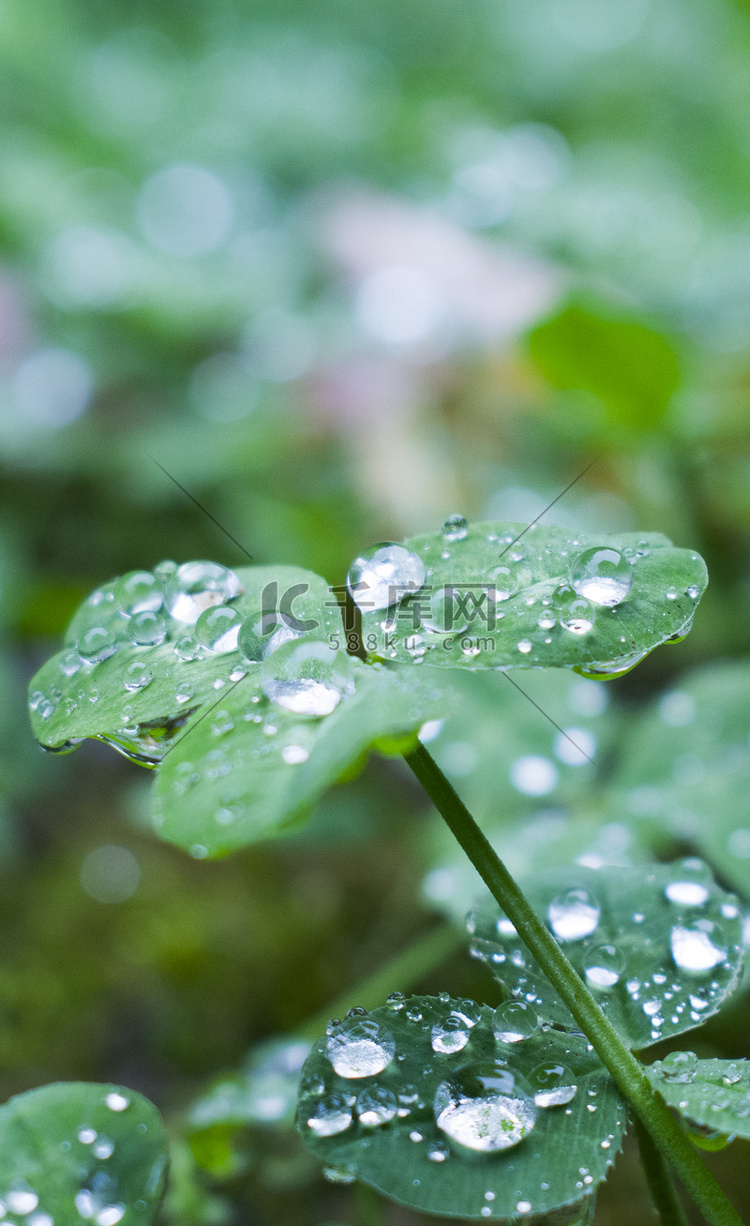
column 455, row 528
column 138, row 592
column 196, row 586
column 524, row 646
column 514, row 1021
column 330, row 1116
column 694, row 946
column 573, row 915
column 376, row 1106
column 603, row 966
column 96, row 644
column 450, row 1035
column 116, row 1101
column 147, row 629
column 137, row 676
column 680, row 1067
column 553, row 1084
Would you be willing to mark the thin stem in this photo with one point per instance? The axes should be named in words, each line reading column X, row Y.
column 408, row 967
column 614, row 1055
column 660, row 1185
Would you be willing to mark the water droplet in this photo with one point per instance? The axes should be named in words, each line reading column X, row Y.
column 330, row 1116
column 186, row 648
column 693, row 591
column 578, row 617
column 514, row 1021
column 70, row 662
column 294, row 754
column 573, row 915
column 438, row 1151
column 218, row 629
column 137, row 676
column 414, row 1013
column 345, row 1174
column 21, row 1199
column 86, row 1136
column 450, row 1035
column 553, row 1084
column 375, row 1106
column 103, row 1147
column 732, row 1074
column 694, row 946
column 360, row 1049
column 383, row 574
column 603, row 966
column 502, row 584
column 455, row 528
column 116, row 1101
column 307, row 677
column 96, row 644
column 138, row 592
column 602, row 575
column 687, row 893
column 484, row 1108
column 147, row 629
column 196, row 586
column 524, row 646
column 523, row 1206
column 443, row 614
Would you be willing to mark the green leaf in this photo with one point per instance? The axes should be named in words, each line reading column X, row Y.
column 71, row 699
column 684, row 773
column 252, row 769
column 661, row 948
column 714, row 1094
column 629, row 366
column 515, row 607
column 74, row 1151
column 372, row 1092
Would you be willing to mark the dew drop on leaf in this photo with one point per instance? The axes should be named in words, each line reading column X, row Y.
column 553, row 1084
column 514, row 1021
column 218, row 629
column 138, row 592
column 147, row 629
column 96, row 644
column 376, row 1105
column 307, row 677
column 451, row 1034
column 455, row 528
column 573, row 915
column 603, row 966
column 382, row 575
column 694, row 946
column 601, row 575
column 360, row 1048
column 196, row 586
column 484, row 1108
column 137, row 676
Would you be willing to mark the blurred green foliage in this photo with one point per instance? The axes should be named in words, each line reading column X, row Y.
column 341, row 269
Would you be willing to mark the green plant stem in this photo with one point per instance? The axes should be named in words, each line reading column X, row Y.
column 660, row 1185
column 626, row 1071
column 404, row 970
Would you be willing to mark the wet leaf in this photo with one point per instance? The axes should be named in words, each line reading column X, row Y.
column 469, row 597
column 74, row 1151
column 422, row 1101
column 714, row 1094
column 660, row 948
column 140, row 697
column 252, row 768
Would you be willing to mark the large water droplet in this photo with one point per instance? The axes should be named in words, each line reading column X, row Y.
column 602, row 575
column 553, row 1084
column 218, row 629
column 484, row 1108
column 360, row 1049
column 330, row 1116
column 573, row 915
column 450, row 1035
column 147, row 629
column 139, row 592
column 680, row 1066
column 196, row 586
column 455, row 528
column 307, row 677
column 375, row 1106
column 603, row 966
column 514, row 1021
column 96, row 644
column 502, row 583
column 383, row 575
column 694, row 946
column 691, row 886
